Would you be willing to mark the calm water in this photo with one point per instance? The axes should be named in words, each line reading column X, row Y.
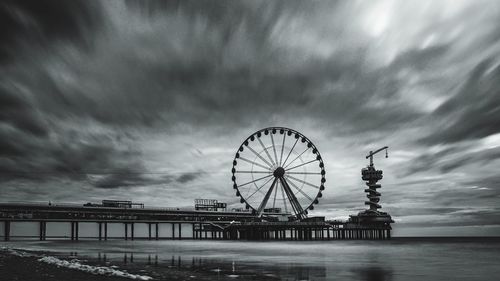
column 399, row 259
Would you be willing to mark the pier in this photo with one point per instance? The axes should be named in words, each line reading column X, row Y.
column 181, row 224
column 278, row 175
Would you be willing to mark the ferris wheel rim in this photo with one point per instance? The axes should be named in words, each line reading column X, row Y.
column 272, row 168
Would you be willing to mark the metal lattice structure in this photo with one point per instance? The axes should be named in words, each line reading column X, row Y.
column 278, row 170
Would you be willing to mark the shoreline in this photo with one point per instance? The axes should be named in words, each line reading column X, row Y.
column 28, row 268
column 51, row 266
column 225, row 260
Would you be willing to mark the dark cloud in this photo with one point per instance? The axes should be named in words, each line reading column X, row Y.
column 450, row 159
column 72, row 154
column 18, row 112
column 184, row 178
column 473, row 112
column 491, row 182
column 420, row 59
column 212, row 82
column 127, row 178
column 36, row 22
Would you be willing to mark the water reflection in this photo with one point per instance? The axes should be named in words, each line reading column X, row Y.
column 176, row 262
column 102, row 257
column 213, row 267
column 155, row 263
column 391, row 261
column 221, row 268
column 374, row 273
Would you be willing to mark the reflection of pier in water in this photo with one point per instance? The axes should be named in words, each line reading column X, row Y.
column 218, row 267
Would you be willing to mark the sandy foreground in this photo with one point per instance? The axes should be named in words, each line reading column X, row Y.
column 14, row 267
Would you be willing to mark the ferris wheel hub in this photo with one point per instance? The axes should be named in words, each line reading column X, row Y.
column 279, row 172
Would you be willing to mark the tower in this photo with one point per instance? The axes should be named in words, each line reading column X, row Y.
column 371, row 219
column 372, row 176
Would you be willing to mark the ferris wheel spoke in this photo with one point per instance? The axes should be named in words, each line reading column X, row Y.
column 309, row 162
column 282, row 148
column 303, row 173
column 302, row 181
column 274, row 148
column 291, row 196
column 254, row 163
column 267, row 152
column 258, row 189
column 298, row 156
column 266, row 198
column 284, row 199
column 275, row 192
column 293, row 200
column 253, row 172
column 290, row 152
column 241, row 185
column 261, row 158
column 300, row 190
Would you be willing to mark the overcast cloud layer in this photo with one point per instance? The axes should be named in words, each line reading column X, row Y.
column 149, row 101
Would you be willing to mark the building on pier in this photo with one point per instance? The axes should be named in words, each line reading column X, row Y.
column 114, row 204
column 209, row 205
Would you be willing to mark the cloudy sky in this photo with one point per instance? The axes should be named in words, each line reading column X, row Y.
column 149, row 101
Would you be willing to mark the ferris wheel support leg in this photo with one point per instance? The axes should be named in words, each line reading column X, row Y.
column 287, row 192
column 293, row 200
column 266, row 198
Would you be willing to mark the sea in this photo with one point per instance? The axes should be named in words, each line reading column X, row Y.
column 425, row 259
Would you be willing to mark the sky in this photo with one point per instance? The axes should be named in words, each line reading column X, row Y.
column 149, row 101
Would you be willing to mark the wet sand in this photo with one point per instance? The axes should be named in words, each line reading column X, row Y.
column 14, row 267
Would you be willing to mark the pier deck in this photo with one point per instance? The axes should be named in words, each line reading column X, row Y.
column 182, row 224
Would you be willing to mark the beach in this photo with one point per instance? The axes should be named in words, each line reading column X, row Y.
column 16, row 264
column 28, row 268
column 399, row 259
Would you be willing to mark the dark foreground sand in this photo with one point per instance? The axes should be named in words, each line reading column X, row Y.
column 30, row 269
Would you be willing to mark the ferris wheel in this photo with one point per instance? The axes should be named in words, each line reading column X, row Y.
column 278, row 170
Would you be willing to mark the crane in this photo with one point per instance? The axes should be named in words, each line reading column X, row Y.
column 370, row 155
